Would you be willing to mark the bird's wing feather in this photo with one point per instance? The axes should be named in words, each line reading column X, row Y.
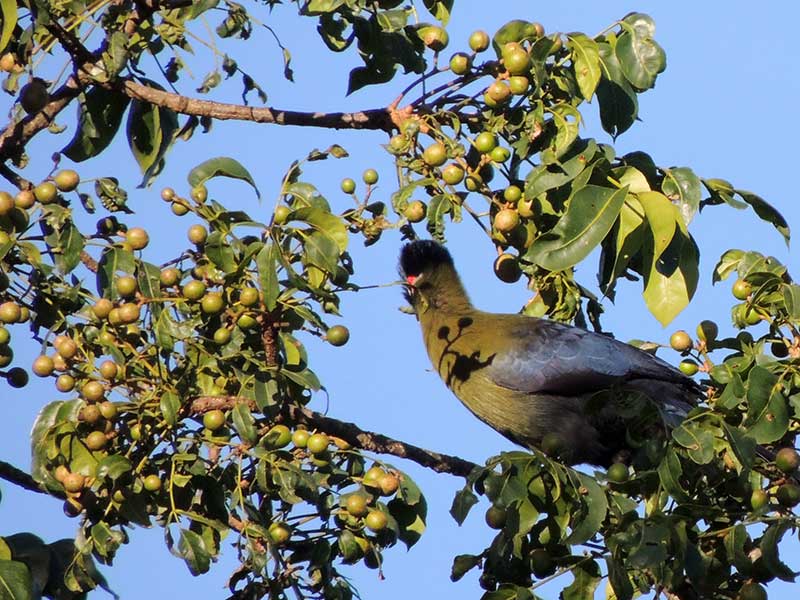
column 551, row 358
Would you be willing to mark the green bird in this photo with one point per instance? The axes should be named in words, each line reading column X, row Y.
column 532, row 379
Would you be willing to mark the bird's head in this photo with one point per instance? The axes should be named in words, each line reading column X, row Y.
column 430, row 276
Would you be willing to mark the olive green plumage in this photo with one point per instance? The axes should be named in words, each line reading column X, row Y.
column 528, row 377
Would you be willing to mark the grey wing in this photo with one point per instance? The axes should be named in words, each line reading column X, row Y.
column 551, row 358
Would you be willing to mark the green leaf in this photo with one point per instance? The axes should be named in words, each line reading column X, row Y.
column 547, row 177
column 440, row 9
column 566, row 120
column 586, row 520
column 462, row 564
column 683, row 187
column 767, row 411
column 321, row 251
column 699, row 442
column 728, row 263
column 618, row 103
column 170, row 405
column 590, row 215
column 641, row 58
column 767, row 212
column 324, row 222
column 222, row 166
column 15, row 581
column 735, row 542
column 192, row 549
column 585, row 62
column 587, row 577
column 113, row 260
column 8, row 10
column 244, row 423
column 463, row 501
column 670, row 472
column 791, row 299
column 113, row 467
column 151, row 130
column 267, row 263
column 618, row 577
column 100, row 114
column 770, row 550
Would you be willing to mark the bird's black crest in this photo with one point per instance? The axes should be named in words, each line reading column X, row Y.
column 422, row 254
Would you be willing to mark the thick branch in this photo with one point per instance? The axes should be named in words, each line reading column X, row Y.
column 18, row 477
column 351, row 433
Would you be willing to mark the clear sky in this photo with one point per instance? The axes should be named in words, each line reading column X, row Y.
column 726, row 106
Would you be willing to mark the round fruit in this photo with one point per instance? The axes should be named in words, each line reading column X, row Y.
column 167, row 194
column 7, row 62
column 749, row 315
column 338, row 335
column 519, row 84
column 126, row 286
column 495, row 517
column 460, row 63
column 222, row 336
column 388, row 483
column 499, row 91
column 479, row 41
column 6, row 356
column 680, row 341
column 741, row 289
column 415, row 211
column 7, row 203
column 688, row 367
column 398, row 143
column 102, row 307
column 67, row 180
column 348, row 185
column 33, row 96
column 179, row 208
column 46, row 192
column 278, row 436
column 759, row 499
column 505, row 220
column 213, row 420
column 707, row 331
column 197, row 234
column 248, row 296
column 43, row 366
column 500, row 154
column 356, row 504
column 108, row 369
column 788, row 495
column 752, row 591
column 485, row 142
column 212, row 303
column 199, row 194
column 512, row 194
column 194, row 290
column 246, row 322
column 542, row 564
column 137, row 238
column 108, row 410
column 73, row 483
column 152, row 483
column 279, row 533
column 435, row 155
column 453, row 174
column 506, row 268
column 787, row 460
column 24, row 199
column 370, row 177
column 10, row 312
column 618, row 473
column 318, row 443
column 65, row 383
column 61, row 473
column 96, row 440
column 129, row 313
column 5, row 336
column 517, row 61
column 779, row 349
column 281, row 214
column 376, row 521
column 300, row 438
column 92, row 391
column 434, row 37
column 373, row 476
column 169, row 277
column 17, row 377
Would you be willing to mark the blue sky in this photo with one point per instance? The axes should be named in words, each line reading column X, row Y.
column 725, row 107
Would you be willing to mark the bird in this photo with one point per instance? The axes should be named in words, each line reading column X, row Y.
column 536, row 380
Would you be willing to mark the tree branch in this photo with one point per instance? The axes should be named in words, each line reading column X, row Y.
column 18, row 477
column 349, row 432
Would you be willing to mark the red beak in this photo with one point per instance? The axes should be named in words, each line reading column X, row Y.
column 411, row 279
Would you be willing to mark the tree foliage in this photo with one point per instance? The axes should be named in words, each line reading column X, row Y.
column 185, row 379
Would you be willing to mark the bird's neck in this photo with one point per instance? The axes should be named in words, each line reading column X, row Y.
column 447, row 293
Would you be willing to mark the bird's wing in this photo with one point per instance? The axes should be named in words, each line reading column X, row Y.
column 551, row 358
